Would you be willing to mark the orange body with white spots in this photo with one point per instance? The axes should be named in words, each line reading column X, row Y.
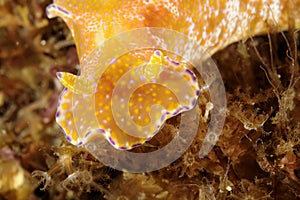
column 86, row 110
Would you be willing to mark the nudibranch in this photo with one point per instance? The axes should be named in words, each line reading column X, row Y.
column 128, row 101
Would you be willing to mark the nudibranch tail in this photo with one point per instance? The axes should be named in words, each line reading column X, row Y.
column 213, row 24
column 54, row 10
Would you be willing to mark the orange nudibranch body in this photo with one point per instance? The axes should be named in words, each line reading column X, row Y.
column 214, row 24
column 116, row 101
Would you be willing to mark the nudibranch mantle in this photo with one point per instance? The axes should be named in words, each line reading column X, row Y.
column 88, row 108
column 85, row 107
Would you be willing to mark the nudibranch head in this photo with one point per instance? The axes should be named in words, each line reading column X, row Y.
column 129, row 103
column 127, row 100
